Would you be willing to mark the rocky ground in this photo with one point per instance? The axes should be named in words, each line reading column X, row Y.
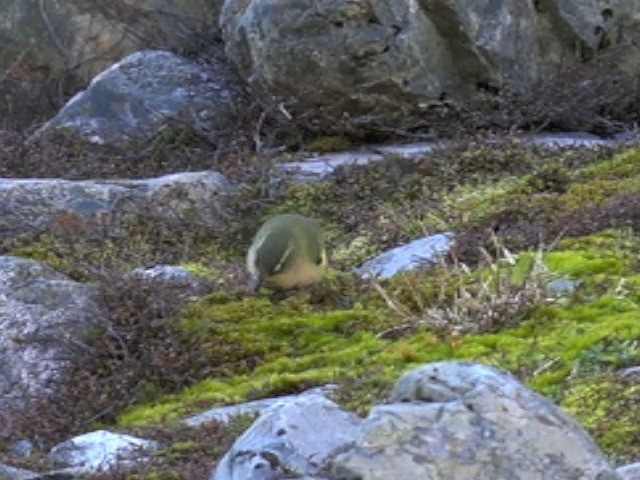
column 540, row 280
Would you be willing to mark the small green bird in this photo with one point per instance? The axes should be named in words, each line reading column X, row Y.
column 287, row 252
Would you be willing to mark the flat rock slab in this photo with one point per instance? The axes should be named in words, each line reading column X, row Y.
column 317, row 167
column 224, row 414
column 420, row 252
column 103, row 207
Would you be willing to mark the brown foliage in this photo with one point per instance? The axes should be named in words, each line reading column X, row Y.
column 136, row 354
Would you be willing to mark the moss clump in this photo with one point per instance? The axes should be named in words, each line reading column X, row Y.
column 42, row 251
column 622, row 166
column 256, row 348
column 608, row 407
column 330, row 143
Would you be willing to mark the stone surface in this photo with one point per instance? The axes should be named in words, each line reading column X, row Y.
column 420, row 252
column 135, row 99
column 363, row 58
column 176, row 278
column 100, row 450
column 43, row 314
column 103, row 207
column 630, row 372
column 372, row 61
column 568, row 139
column 224, row 414
column 22, row 448
column 293, row 437
column 454, row 420
column 629, row 472
column 317, row 167
column 57, row 35
column 11, row 473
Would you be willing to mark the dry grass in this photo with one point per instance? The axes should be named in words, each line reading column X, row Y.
column 501, row 294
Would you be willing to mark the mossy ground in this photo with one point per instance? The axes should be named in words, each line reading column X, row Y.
column 562, row 346
column 581, row 208
column 260, row 348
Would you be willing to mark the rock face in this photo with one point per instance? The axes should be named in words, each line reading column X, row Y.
column 104, row 207
column 84, row 35
column 294, row 437
column 367, row 59
column 138, row 97
column 42, row 313
column 455, row 420
column 357, row 57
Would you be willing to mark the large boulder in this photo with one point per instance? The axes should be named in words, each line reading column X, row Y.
column 373, row 60
column 135, row 99
column 359, row 57
column 107, row 207
column 43, row 317
column 454, row 420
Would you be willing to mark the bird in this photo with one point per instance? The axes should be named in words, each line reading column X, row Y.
column 287, row 252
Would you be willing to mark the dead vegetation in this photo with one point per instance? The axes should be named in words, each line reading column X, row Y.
column 499, row 293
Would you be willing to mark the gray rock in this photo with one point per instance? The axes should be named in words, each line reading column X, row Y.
column 175, row 277
column 86, row 37
column 100, row 450
column 630, row 372
column 11, row 473
column 365, row 59
column 562, row 286
column 385, row 62
column 568, row 139
column 224, row 414
column 318, row 167
column 294, row 438
column 148, row 91
column 454, row 420
column 629, row 472
column 103, row 207
column 43, row 314
column 22, row 448
column 420, row 252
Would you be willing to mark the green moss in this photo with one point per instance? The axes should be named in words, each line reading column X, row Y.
column 259, row 348
column 262, row 349
column 330, row 143
column 607, row 407
column 563, row 347
column 43, row 251
column 597, row 191
column 622, row 166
